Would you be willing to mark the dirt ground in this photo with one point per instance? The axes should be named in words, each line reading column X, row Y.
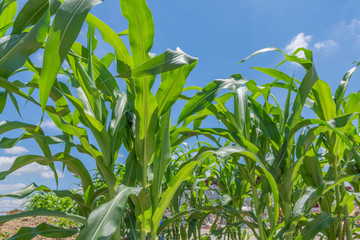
column 8, row 229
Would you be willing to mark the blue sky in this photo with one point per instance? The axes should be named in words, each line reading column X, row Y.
column 219, row 33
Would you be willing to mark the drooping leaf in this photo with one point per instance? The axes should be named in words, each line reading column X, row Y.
column 123, row 58
column 44, row 230
column 65, row 28
column 340, row 91
column 143, row 211
column 3, row 97
column 204, row 98
column 167, row 61
column 31, row 13
column 326, row 108
column 7, row 13
column 15, row 49
column 103, row 221
column 42, row 212
column 26, row 191
column 320, row 223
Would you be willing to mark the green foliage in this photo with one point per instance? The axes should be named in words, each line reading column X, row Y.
column 268, row 163
column 50, row 201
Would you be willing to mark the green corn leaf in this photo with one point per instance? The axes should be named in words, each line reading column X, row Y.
column 287, row 107
column 44, row 230
column 204, row 98
column 266, row 123
column 326, row 108
column 181, row 176
column 90, row 93
column 305, row 203
column 123, row 58
column 15, row 49
column 340, row 91
column 49, row 140
column 353, row 103
column 341, row 179
column 65, row 28
column 74, row 165
column 104, row 80
column 11, row 87
column 276, row 74
column 305, row 87
column 3, row 97
column 241, row 110
column 7, row 13
column 141, row 28
column 104, row 220
column 306, row 63
column 141, row 35
column 31, row 13
column 307, row 83
column 146, row 111
column 42, row 212
column 32, row 129
column 96, row 127
column 311, row 169
column 14, row 101
column 132, row 165
column 143, row 211
column 108, row 59
column 162, row 158
column 167, row 61
column 26, row 191
column 6, row 126
column 118, row 121
column 320, row 223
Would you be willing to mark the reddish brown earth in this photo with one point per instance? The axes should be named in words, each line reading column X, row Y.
column 8, row 229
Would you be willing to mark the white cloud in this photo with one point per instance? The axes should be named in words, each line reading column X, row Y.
column 16, row 150
column 44, row 171
column 7, row 205
column 65, row 65
column 48, row 124
column 61, row 76
column 50, row 174
column 6, row 162
column 353, row 26
column 11, row 187
column 39, row 58
column 300, row 40
column 326, row 45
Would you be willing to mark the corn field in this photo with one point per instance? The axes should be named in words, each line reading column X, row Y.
column 264, row 169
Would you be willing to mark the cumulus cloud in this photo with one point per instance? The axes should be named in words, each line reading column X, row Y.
column 349, row 30
column 300, row 40
column 16, row 150
column 44, row 171
column 353, row 25
column 48, row 123
column 326, row 45
column 6, row 162
column 50, row 174
column 7, row 205
column 11, row 187
column 39, row 58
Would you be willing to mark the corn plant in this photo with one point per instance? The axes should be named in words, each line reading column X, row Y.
column 262, row 150
column 139, row 119
column 268, row 134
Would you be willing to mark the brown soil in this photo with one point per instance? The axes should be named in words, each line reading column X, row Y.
column 8, row 229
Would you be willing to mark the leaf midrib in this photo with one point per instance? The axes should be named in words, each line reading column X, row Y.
column 169, row 91
column 108, row 212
